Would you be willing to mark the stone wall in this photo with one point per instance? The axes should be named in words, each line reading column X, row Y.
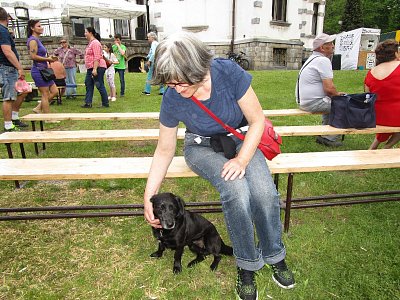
column 260, row 53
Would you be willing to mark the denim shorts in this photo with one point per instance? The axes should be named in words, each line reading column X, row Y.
column 8, row 78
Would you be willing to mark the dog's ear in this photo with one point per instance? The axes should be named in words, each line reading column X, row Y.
column 181, row 205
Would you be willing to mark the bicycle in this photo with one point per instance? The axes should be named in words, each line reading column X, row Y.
column 239, row 59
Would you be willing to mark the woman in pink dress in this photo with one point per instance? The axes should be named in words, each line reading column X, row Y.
column 384, row 80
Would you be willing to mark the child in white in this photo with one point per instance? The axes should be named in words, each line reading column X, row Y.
column 110, row 72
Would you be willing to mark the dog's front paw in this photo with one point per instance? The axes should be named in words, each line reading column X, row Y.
column 156, row 254
column 177, row 269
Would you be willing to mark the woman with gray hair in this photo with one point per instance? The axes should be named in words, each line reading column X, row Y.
column 249, row 198
column 152, row 39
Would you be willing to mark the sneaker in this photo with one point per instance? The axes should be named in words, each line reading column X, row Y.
column 86, row 105
column 282, row 275
column 109, row 97
column 113, row 99
column 146, row 93
column 19, row 123
column 329, row 143
column 160, row 94
column 246, row 288
column 12, row 129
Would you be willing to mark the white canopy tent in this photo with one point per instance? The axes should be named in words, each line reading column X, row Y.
column 115, row 9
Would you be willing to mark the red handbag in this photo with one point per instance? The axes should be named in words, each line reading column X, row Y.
column 270, row 140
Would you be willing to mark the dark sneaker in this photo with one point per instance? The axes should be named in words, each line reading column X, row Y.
column 246, row 288
column 19, row 123
column 86, row 105
column 326, row 142
column 146, row 93
column 282, row 275
column 12, row 129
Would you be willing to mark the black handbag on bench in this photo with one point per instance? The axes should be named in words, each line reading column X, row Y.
column 353, row 111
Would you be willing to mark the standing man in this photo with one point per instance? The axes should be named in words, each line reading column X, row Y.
column 315, row 87
column 152, row 39
column 120, row 52
column 10, row 70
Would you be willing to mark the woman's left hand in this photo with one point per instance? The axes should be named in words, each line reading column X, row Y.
column 234, row 168
column 94, row 72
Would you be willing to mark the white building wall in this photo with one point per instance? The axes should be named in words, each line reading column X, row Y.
column 212, row 20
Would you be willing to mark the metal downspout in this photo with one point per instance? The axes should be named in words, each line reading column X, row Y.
column 233, row 24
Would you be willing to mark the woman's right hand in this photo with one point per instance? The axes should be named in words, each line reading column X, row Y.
column 149, row 215
column 52, row 58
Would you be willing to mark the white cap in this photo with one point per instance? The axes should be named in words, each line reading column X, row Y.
column 323, row 38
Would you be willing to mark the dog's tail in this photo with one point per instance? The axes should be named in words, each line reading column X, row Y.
column 226, row 250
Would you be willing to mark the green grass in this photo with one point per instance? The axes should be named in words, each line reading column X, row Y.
column 346, row 252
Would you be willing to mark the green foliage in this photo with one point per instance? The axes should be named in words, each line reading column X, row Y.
column 352, row 16
column 382, row 14
column 346, row 252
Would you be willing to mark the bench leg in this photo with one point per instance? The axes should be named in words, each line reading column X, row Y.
column 276, row 180
column 11, row 156
column 21, row 147
column 42, row 129
column 289, row 194
column 35, row 144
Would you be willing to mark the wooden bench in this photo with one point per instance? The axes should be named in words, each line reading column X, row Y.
column 22, row 137
column 138, row 167
column 133, row 116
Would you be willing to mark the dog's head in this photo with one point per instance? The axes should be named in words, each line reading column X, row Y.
column 167, row 208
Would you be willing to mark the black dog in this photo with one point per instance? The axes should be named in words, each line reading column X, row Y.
column 182, row 228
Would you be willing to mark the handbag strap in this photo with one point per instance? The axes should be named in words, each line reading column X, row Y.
column 298, row 79
column 218, row 120
column 65, row 56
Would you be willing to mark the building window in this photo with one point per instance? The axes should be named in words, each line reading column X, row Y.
column 315, row 19
column 279, row 56
column 122, row 27
column 79, row 24
column 279, row 10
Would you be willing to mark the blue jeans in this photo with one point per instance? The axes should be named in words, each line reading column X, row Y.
column 97, row 81
column 8, row 78
column 70, row 79
column 147, row 87
column 250, row 205
column 121, row 73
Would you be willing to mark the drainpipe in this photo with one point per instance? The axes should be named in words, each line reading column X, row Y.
column 233, row 24
column 147, row 16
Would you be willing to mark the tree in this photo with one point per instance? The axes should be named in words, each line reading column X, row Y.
column 352, row 16
column 383, row 14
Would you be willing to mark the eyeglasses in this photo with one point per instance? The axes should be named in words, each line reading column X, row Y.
column 62, row 42
column 180, row 84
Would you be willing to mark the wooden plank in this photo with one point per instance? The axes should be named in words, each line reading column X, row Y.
column 138, row 115
column 83, row 135
column 329, row 130
column 335, row 161
column 90, row 116
column 152, row 134
column 138, row 167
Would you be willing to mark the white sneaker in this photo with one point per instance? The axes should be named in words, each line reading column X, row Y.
column 113, row 99
column 109, row 97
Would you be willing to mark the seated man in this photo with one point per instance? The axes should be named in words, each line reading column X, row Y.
column 315, row 87
column 61, row 74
